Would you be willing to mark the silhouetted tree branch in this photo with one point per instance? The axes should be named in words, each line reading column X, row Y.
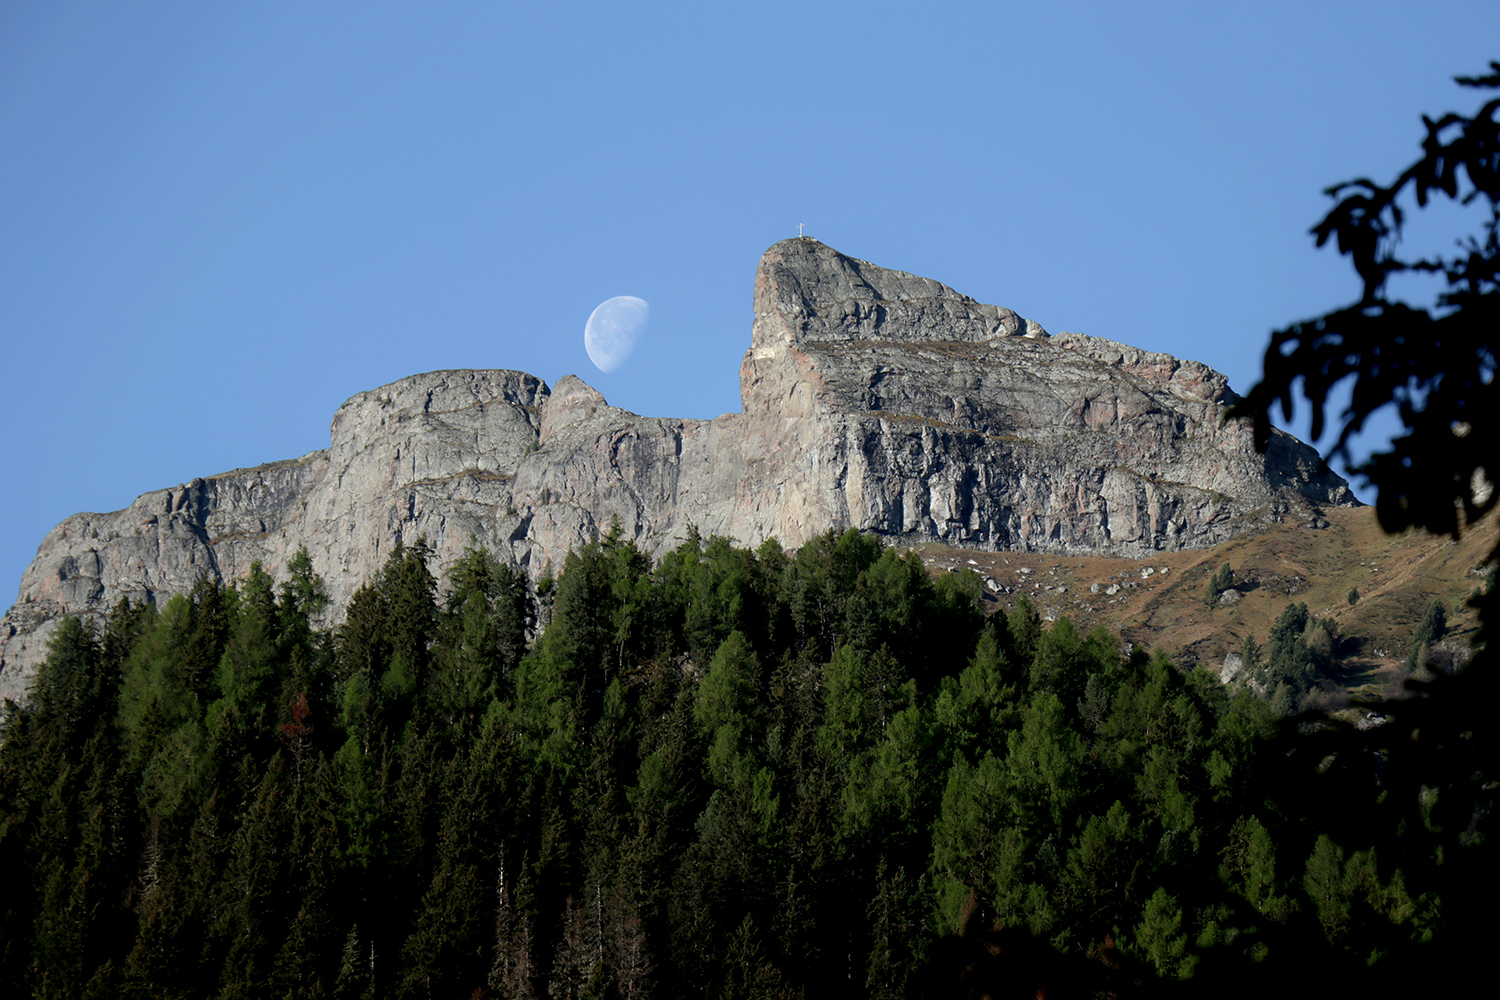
column 1436, row 365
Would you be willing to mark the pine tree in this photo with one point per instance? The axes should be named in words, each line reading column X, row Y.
column 251, row 905
column 894, row 916
column 1162, row 939
column 1026, row 628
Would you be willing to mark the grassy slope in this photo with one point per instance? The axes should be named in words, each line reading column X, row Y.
column 1397, row 577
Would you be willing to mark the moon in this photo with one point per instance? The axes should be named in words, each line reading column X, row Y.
column 610, row 334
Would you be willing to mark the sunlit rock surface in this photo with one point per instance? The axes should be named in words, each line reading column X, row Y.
column 872, row 398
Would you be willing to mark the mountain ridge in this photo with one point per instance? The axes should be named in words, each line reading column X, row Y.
column 872, row 398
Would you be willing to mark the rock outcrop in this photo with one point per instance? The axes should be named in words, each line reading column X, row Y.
column 872, row 398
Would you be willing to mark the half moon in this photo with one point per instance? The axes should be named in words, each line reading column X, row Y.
column 612, row 330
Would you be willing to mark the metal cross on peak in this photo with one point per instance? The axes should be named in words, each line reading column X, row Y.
column 799, row 229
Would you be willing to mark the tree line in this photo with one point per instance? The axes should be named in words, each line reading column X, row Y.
column 734, row 773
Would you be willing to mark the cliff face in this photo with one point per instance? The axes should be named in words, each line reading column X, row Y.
column 872, row 398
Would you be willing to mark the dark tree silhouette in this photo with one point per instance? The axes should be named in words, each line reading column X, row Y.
column 1437, row 365
column 1437, row 762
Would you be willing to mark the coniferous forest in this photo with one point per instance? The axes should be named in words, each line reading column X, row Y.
column 733, row 773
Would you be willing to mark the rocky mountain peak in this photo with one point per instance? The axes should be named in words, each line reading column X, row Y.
column 873, row 399
column 806, row 292
column 572, row 400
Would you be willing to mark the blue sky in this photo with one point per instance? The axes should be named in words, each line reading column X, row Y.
column 219, row 221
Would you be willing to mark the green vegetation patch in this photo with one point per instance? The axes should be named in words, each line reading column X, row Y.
column 731, row 772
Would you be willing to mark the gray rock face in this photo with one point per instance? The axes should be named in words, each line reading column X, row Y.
column 872, row 398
